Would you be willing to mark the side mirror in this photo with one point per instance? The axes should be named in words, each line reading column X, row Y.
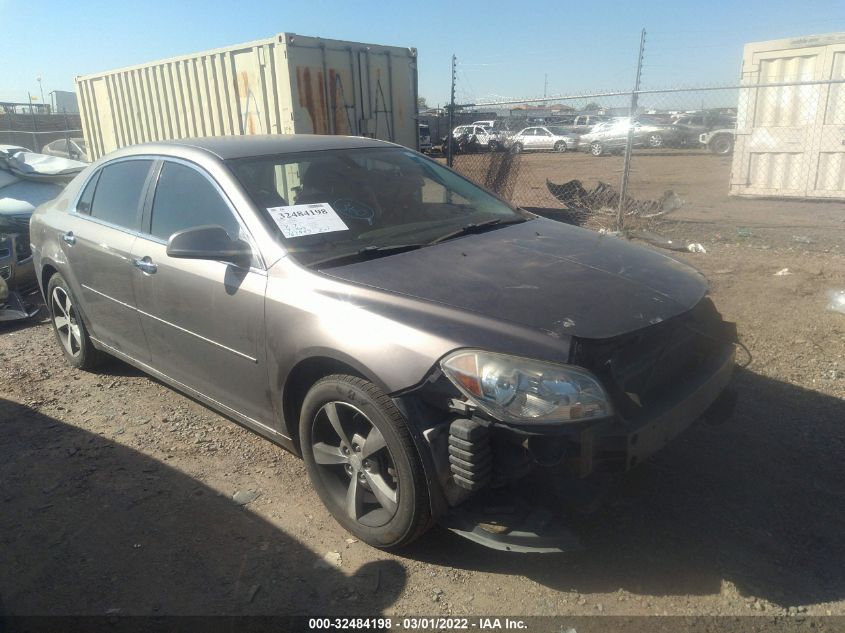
column 208, row 242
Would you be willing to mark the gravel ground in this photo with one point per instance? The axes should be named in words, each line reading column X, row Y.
column 121, row 496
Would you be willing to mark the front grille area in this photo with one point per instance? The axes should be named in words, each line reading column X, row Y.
column 16, row 229
column 644, row 368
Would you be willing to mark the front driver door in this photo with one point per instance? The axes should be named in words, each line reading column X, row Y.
column 204, row 320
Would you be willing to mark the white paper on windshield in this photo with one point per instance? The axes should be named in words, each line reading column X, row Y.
column 307, row 219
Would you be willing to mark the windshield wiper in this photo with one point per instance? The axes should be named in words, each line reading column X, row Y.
column 476, row 227
column 365, row 254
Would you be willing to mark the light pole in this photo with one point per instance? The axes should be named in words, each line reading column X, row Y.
column 40, row 87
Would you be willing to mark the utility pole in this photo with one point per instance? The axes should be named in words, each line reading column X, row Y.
column 35, row 147
column 451, row 115
column 40, row 87
column 626, row 167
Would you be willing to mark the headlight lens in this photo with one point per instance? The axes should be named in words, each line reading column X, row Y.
column 523, row 390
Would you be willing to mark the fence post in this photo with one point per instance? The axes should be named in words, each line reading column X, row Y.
column 626, row 166
column 451, row 115
column 67, row 131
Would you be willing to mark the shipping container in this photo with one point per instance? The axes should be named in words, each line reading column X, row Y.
column 287, row 84
column 790, row 139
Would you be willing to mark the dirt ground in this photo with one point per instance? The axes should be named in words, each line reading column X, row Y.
column 116, row 493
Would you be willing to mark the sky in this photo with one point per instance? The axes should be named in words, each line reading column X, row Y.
column 504, row 49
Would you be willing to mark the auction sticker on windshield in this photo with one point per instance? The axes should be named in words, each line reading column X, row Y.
column 307, row 219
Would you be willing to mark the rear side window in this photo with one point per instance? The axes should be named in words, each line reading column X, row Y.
column 118, row 193
column 84, row 204
column 186, row 199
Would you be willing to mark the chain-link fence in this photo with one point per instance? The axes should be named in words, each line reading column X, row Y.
column 35, row 131
column 685, row 152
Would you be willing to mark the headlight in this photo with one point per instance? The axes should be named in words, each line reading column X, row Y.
column 515, row 389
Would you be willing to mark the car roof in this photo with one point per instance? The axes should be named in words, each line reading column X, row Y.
column 229, row 147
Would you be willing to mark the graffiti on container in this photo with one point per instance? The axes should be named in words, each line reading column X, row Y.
column 251, row 110
column 311, row 89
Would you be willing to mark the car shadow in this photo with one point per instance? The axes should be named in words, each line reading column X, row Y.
column 756, row 501
column 91, row 527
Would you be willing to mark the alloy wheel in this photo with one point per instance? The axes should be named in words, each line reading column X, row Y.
column 355, row 464
column 65, row 321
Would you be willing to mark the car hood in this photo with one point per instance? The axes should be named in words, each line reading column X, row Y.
column 541, row 274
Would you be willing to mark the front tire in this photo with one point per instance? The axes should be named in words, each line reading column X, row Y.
column 362, row 461
column 655, row 140
column 70, row 331
column 596, row 149
column 560, row 146
column 517, row 148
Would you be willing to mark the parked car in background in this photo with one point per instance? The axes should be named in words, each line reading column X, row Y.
column 719, row 141
column 425, row 137
column 352, row 301
column 487, row 123
column 690, row 127
column 612, row 136
column 544, row 139
column 73, row 148
column 476, row 135
column 584, row 123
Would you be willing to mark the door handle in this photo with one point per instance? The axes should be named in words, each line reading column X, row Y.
column 145, row 264
column 69, row 238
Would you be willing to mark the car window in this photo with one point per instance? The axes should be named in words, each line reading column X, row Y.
column 118, row 192
column 58, row 146
column 184, row 199
column 84, row 204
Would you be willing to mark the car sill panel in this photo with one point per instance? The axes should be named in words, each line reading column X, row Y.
column 255, row 425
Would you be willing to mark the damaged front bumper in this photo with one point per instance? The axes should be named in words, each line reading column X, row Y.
column 505, row 487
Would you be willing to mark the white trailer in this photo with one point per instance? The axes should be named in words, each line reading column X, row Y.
column 790, row 136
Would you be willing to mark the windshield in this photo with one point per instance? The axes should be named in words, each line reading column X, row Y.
column 332, row 203
column 558, row 131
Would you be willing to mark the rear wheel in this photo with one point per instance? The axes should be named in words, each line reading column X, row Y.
column 560, row 146
column 596, row 149
column 722, row 144
column 70, row 331
column 362, row 461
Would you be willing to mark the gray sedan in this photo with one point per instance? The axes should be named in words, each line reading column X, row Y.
column 543, row 139
column 424, row 346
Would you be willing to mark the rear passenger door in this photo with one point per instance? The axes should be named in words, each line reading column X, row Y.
column 204, row 320
column 529, row 140
column 97, row 243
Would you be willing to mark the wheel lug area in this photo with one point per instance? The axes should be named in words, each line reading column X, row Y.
column 348, row 469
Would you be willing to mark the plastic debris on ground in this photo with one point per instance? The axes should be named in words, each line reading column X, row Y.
column 603, row 199
column 658, row 240
column 783, row 272
column 696, row 248
column 836, row 300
